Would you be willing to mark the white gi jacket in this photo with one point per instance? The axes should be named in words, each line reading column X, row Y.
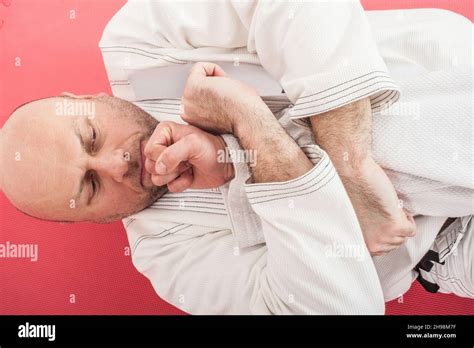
column 201, row 249
column 208, row 252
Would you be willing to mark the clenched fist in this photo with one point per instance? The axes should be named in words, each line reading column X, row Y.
column 183, row 157
column 215, row 102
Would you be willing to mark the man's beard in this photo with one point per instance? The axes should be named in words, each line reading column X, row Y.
column 156, row 192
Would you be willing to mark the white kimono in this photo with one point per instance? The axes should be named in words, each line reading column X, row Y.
column 292, row 247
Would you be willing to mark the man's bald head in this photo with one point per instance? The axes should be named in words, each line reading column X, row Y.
column 77, row 159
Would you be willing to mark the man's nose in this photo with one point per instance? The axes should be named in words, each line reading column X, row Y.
column 113, row 164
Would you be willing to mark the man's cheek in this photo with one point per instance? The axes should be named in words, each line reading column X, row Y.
column 119, row 201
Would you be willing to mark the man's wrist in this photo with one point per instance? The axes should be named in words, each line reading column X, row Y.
column 351, row 164
column 278, row 157
column 250, row 115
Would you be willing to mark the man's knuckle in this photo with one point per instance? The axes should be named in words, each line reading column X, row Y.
column 186, row 116
column 173, row 187
column 388, row 239
column 165, row 124
column 155, row 179
column 150, row 166
column 148, row 151
column 186, row 180
column 373, row 247
column 168, row 158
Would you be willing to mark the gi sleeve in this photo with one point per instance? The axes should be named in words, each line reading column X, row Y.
column 314, row 260
column 322, row 52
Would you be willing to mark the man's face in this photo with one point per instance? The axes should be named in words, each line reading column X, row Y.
column 77, row 159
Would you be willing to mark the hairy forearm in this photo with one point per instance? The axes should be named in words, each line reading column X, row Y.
column 346, row 135
column 279, row 158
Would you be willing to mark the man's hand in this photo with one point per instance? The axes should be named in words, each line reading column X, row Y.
column 215, row 102
column 183, row 157
column 346, row 135
column 384, row 223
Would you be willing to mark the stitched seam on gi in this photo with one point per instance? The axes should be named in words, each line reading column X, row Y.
column 139, row 240
column 299, row 195
column 389, row 84
column 141, row 50
column 343, row 83
column 339, row 92
column 345, row 103
column 269, row 186
column 184, row 209
column 325, row 171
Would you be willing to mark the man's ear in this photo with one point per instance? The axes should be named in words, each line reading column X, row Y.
column 84, row 96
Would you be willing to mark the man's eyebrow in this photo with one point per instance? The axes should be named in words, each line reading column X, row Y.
column 83, row 146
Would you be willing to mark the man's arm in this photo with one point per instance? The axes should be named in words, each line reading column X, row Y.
column 346, row 135
column 210, row 102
